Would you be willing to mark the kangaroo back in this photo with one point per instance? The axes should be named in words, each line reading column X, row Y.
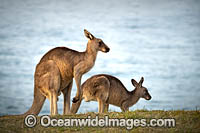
column 94, row 88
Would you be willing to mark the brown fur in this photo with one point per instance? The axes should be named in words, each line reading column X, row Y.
column 107, row 89
column 55, row 72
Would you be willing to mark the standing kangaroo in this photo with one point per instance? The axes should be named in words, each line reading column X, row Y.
column 107, row 89
column 55, row 71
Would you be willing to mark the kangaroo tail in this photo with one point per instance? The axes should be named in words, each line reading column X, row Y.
column 37, row 104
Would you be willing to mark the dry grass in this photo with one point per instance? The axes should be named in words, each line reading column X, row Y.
column 186, row 121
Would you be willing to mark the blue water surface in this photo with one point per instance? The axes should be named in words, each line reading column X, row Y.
column 159, row 40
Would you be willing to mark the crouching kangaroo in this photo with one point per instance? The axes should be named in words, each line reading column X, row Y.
column 55, row 72
column 107, row 89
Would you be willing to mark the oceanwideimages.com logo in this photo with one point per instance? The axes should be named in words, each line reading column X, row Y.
column 47, row 121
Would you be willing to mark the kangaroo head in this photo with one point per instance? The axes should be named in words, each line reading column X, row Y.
column 140, row 90
column 96, row 44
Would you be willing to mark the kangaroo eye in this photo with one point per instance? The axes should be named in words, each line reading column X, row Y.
column 100, row 43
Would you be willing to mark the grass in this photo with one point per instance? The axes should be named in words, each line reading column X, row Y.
column 186, row 121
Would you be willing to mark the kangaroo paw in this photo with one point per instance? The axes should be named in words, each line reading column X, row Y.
column 75, row 99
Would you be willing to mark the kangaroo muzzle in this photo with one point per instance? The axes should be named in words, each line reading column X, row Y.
column 106, row 50
column 148, row 97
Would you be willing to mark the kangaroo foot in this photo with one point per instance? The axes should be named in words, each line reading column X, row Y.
column 75, row 99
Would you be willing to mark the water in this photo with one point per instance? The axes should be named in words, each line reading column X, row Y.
column 159, row 40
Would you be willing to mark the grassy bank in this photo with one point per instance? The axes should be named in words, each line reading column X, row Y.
column 186, row 121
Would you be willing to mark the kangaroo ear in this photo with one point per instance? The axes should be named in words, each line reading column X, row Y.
column 141, row 81
column 88, row 34
column 134, row 82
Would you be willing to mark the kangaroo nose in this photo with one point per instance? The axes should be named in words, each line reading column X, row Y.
column 107, row 49
column 149, row 98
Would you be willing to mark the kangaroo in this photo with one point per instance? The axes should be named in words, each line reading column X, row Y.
column 55, row 72
column 107, row 89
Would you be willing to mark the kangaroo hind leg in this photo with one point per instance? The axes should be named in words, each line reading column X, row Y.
column 67, row 94
column 49, row 83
